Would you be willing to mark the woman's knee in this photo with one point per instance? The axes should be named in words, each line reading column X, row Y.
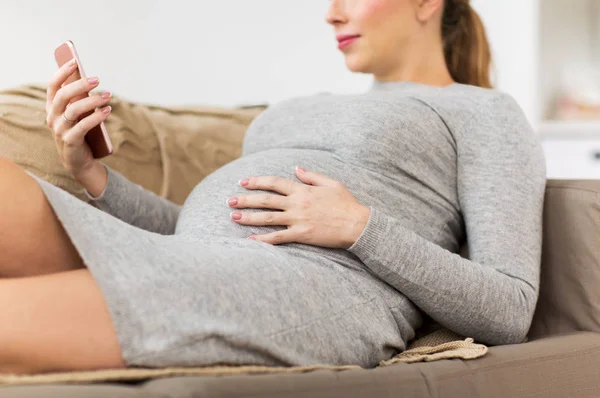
column 12, row 180
column 33, row 240
column 6, row 166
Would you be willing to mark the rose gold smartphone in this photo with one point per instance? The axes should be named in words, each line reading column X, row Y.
column 97, row 138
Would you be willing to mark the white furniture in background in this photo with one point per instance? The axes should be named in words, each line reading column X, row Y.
column 568, row 34
column 572, row 149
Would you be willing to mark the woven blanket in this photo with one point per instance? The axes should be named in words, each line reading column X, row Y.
column 441, row 344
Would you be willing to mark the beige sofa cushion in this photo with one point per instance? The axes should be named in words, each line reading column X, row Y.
column 570, row 281
column 165, row 149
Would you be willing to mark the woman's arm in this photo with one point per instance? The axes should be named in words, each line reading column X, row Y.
column 501, row 183
column 136, row 205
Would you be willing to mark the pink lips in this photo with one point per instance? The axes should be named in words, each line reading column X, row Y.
column 346, row 40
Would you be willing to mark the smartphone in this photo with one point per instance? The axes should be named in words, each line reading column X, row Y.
column 97, row 138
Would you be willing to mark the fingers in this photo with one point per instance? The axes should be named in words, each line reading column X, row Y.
column 278, row 237
column 67, row 93
column 271, row 183
column 85, row 105
column 59, row 77
column 260, row 218
column 312, row 178
column 260, row 201
column 76, row 135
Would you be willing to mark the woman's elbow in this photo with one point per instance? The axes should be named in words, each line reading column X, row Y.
column 511, row 334
column 517, row 318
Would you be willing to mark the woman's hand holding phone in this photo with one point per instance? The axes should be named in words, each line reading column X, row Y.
column 69, row 132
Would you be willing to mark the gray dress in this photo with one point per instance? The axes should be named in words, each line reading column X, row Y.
column 184, row 286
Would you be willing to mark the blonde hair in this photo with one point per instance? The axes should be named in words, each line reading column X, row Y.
column 466, row 47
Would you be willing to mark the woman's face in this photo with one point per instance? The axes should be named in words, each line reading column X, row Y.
column 384, row 27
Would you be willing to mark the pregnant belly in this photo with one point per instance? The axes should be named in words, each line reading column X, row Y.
column 206, row 213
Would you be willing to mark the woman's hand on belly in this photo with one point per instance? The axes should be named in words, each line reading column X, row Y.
column 318, row 211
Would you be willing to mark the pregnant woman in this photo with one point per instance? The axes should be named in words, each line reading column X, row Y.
column 334, row 262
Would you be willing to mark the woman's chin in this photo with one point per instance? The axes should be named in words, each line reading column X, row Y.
column 355, row 64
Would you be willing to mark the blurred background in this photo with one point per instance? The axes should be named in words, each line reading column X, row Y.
column 240, row 52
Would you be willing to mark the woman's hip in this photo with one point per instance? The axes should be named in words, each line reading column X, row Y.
column 277, row 308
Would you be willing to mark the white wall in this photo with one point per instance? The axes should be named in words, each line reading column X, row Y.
column 224, row 52
column 181, row 51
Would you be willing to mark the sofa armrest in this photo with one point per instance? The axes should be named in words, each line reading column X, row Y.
column 570, row 279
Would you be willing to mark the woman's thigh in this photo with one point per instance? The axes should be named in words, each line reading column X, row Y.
column 32, row 240
column 56, row 322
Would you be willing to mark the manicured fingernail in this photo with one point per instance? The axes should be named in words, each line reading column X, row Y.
column 232, row 201
column 300, row 169
column 235, row 215
column 106, row 95
column 243, row 182
column 251, row 238
column 106, row 109
column 72, row 63
column 92, row 80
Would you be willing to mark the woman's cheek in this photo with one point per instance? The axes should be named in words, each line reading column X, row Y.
column 372, row 11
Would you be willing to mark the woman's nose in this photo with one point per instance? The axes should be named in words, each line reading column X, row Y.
column 336, row 12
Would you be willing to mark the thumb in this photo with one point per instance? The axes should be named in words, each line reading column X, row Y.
column 312, row 178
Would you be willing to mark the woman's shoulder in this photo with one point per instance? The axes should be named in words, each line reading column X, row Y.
column 498, row 102
column 471, row 109
column 480, row 99
column 491, row 118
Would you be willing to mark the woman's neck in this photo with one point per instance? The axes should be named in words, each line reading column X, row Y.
column 419, row 66
column 431, row 79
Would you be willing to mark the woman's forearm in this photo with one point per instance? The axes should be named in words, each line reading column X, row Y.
column 492, row 302
column 132, row 203
column 94, row 180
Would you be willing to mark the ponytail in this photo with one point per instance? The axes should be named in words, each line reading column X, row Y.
column 466, row 47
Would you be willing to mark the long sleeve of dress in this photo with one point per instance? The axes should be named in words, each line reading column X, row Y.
column 136, row 205
column 501, row 183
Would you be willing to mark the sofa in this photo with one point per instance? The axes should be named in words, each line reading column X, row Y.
column 169, row 149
